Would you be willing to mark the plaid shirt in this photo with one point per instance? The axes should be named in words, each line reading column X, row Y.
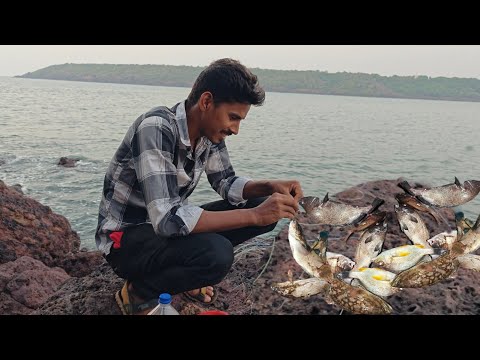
column 154, row 171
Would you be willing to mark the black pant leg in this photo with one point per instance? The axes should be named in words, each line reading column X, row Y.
column 238, row 236
column 174, row 265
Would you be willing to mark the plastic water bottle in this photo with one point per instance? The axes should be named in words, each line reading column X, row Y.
column 164, row 306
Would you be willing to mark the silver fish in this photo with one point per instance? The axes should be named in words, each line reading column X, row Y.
column 412, row 225
column 339, row 262
column 370, row 245
column 305, row 256
column 449, row 195
column 443, row 240
column 329, row 212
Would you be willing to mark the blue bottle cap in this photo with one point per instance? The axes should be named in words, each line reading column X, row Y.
column 164, row 298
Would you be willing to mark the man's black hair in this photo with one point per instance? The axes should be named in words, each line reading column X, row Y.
column 229, row 82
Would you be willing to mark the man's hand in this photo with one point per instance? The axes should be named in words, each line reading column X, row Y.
column 287, row 187
column 276, row 207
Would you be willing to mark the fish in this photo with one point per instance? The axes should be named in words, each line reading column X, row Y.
column 462, row 222
column 438, row 269
column 305, row 256
column 370, row 245
column 371, row 219
column 401, row 258
column 329, row 212
column 375, row 280
column 469, row 261
column 468, row 242
column 443, row 240
column 339, row 262
column 412, row 225
column 413, row 202
column 301, row 288
column 354, row 299
column 427, row 273
column 449, row 195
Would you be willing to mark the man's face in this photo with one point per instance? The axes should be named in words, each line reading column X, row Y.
column 223, row 120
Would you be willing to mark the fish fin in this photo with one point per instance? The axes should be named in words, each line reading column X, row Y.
column 325, row 199
column 423, row 200
column 377, row 202
column 378, row 248
column 406, row 187
column 457, row 182
column 413, row 219
column 477, row 223
column 350, row 233
column 320, row 245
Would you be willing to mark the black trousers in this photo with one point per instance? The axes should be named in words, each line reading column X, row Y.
column 155, row 265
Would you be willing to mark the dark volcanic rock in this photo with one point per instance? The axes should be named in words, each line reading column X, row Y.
column 94, row 294
column 28, row 228
column 67, row 162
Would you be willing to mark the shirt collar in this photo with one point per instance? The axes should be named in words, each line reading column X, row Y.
column 181, row 117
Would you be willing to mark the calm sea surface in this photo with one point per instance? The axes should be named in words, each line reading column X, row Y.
column 328, row 143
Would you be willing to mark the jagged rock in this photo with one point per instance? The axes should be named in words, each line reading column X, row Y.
column 94, row 294
column 81, row 263
column 32, row 229
column 26, row 283
column 90, row 295
column 17, row 188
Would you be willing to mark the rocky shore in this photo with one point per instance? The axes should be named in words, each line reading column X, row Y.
column 44, row 271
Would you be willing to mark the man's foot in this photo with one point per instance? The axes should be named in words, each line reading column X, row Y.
column 205, row 295
column 131, row 304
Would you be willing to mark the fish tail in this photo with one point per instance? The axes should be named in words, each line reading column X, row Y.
column 377, row 202
column 477, row 223
column 434, row 214
column 406, row 187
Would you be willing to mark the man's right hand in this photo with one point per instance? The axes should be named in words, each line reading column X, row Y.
column 276, row 207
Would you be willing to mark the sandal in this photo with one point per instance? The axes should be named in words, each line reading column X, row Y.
column 200, row 297
column 128, row 307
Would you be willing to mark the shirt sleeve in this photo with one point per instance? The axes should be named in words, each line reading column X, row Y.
column 222, row 177
column 153, row 148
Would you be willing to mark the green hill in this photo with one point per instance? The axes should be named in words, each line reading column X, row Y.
column 293, row 81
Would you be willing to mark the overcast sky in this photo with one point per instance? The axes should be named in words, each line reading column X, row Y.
column 431, row 60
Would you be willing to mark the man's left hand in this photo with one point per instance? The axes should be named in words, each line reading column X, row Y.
column 287, row 187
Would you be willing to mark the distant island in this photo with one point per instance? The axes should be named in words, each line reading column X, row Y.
column 291, row 81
